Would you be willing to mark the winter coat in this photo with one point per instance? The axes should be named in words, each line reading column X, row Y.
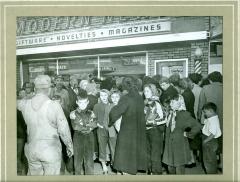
column 130, row 153
column 176, row 151
column 189, row 100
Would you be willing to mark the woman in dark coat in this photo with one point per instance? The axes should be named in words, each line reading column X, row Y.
column 130, row 152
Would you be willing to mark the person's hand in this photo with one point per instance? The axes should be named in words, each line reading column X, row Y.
column 204, row 142
column 69, row 152
column 100, row 126
column 185, row 134
column 72, row 115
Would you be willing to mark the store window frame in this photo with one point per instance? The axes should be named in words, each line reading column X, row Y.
column 97, row 56
column 171, row 60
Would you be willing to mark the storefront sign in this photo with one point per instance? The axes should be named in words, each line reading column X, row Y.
column 106, row 68
column 121, row 31
column 130, row 62
column 176, row 70
column 38, row 24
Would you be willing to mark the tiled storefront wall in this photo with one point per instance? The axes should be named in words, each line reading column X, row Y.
column 179, row 53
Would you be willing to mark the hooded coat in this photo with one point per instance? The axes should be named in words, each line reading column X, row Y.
column 45, row 122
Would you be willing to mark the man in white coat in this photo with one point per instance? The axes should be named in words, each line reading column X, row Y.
column 45, row 123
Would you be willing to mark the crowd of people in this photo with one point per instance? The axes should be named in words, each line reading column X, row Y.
column 132, row 124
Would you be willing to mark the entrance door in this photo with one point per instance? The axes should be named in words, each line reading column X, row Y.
column 171, row 66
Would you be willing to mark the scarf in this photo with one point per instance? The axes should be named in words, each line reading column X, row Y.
column 171, row 117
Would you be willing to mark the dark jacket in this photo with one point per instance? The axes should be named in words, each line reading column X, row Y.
column 21, row 126
column 72, row 99
column 189, row 100
column 131, row 154
column 84, row 122
column 168, row 94
column 93, row 100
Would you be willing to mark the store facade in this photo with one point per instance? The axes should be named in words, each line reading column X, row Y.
column 117, row 46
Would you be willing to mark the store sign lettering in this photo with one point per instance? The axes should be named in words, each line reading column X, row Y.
column 48, row 24
column 105, row 68
column 176, row 69
column 36, row 25
column 87, row 35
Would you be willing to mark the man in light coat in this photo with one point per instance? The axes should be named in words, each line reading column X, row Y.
column 45, row 122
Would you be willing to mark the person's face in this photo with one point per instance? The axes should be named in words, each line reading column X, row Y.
column 115, row 98
column 207, row 113
column 22, row 94
column 82, row 103
column 164, row 85
column 59, row 83
column 73, row 83
column 104, row 97
column 175, row 104
column 28, row 90
column 83, row 85
column 147, row 92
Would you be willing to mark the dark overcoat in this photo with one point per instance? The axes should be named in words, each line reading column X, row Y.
column 176, row 151
column 130, row 153
column 189, row 100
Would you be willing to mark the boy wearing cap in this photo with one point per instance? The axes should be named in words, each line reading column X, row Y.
column 83, row 123
column 45, row 123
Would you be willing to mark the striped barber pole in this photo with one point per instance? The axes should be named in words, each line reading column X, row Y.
column 197, row 66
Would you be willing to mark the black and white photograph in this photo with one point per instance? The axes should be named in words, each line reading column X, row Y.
column 119, row 95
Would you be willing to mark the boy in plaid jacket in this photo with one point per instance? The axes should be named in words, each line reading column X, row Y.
column 83, row 122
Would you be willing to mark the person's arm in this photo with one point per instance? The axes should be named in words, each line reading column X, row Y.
column 63, row 127
column 93, row 122
column 95, row 111
column 194, row 126
column 213, row 129
column 75, row 121
column 21, row 104
column 117, row 111
column 201, row 102
column 161, row 119
column 210, row 137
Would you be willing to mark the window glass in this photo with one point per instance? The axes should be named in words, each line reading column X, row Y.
column 122, row 65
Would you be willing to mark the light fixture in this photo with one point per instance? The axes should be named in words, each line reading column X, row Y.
column 198, row 53
column 197, row 60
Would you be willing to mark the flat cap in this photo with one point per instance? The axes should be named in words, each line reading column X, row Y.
column 42, row 81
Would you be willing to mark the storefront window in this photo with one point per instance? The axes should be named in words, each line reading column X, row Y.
column 80, row 67
column 171, row 66
column 43, row 67
column 216, row 61
column 122, row 65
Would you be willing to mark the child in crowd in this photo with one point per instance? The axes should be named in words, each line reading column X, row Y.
column 115, row 97
column 180, row 125
column 211, row 132
column 105, row 134
column 83, row 122
column 155, row 126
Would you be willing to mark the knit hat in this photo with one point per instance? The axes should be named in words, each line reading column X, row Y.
column 42, row 81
